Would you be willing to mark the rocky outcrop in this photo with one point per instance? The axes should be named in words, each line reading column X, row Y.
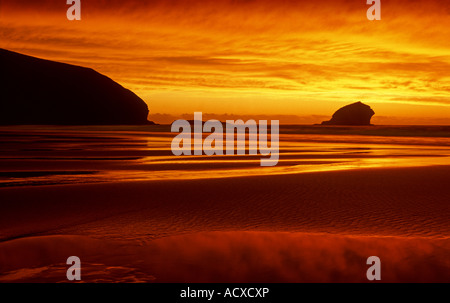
column 37, row 91
column 353, row 114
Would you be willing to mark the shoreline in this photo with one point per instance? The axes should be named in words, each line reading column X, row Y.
column 406, row 131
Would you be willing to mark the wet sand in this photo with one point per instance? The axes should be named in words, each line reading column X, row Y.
column 134, row 213
column 402, row 214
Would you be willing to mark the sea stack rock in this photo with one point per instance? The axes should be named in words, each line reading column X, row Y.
column 353, row 114
column 37, row 91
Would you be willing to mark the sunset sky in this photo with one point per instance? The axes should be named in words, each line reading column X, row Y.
column 298, row 61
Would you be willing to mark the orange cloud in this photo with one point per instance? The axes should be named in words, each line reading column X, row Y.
column 251, row 57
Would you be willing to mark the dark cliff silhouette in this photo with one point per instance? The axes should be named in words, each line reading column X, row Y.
column 353, row 114
column 37, row 91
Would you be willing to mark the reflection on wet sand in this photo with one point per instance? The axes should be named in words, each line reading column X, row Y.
column 265, row 257
column 133, row 212
column 65, row 157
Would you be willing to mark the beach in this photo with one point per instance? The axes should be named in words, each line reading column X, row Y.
column 134, row 213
